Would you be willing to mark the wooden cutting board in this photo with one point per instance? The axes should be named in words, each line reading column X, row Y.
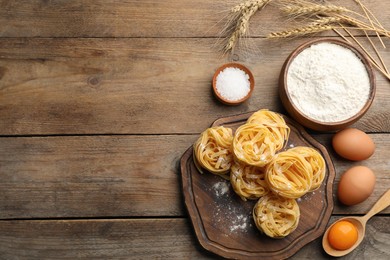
column 223, row 222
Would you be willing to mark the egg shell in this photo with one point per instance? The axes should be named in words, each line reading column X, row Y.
column 353, row 144
column 356, row 185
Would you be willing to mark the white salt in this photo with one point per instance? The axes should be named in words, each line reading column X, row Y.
column 233, row 84
column 328, row 82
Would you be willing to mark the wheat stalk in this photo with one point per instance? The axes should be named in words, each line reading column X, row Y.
column 313, row 10
column 301, row 31
column 326, row 21
column 331, row 17
column 246, row 5
column 239, row 24
column 358, row 24
column 377, row 53
column 367, row 13
column 384, row 70
column 317, row 18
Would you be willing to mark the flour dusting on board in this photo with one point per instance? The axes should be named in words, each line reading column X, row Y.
column 221, row 188
column 226, row 212
column 239, row 223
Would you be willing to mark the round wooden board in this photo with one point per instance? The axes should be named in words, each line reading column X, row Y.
column 223, row 222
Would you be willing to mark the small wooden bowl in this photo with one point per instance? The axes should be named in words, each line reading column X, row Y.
column 310, row 122
column 241, row 67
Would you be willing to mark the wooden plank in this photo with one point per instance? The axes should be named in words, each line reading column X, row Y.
column 131, row 86
column 120, row 176
column 132, row 239
column 108, row 18
column 91, row 176
column 152, row 18
column 144, row 239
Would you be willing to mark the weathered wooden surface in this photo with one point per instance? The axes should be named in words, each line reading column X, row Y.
column 100, row 176
column 133, row 86
column 152, row 18
column 143, row 239
column 99, row 100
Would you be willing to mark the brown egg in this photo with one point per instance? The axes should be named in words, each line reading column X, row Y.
column 356, row 185
column 353, row 144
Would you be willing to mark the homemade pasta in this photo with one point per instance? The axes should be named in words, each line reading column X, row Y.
column 276, row 216
column 260, row 171
column 248, row 181
column 289, row 175
column 317, row 162
column 254, row 144
column 274, row 122
column 213, row 150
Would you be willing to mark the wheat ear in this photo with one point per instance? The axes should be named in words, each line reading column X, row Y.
column 242, row 14
column 325, row 21
column 313, row 10
column 305, row 30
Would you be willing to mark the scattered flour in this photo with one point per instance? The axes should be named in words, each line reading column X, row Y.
column 239, row 223
column 328, row 82
column 229, row 212
column 221, row 188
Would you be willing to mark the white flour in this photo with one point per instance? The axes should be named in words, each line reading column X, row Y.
column 328, row 82
column 221, row 188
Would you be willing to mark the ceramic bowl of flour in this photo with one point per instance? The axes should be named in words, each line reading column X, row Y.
column 327, row 84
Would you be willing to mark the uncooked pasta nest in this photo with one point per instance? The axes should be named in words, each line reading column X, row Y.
column 248, row 181
column 294, row 172
column 259, row 170
column 276, row 216
column 289, row 175
column 254, row 144
column 316, row 161
column 274, row 122
column 213, row 150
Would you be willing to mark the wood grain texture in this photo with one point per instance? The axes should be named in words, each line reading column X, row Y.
column 109, row 18
column 132, row 86
column 152, row 18
column 91, row 176
column 143, row 239
column 95, row 176
column 99, row 100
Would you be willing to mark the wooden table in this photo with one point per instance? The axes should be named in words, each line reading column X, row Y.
column 99, row 100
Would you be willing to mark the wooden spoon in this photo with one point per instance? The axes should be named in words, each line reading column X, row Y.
column 360, row 224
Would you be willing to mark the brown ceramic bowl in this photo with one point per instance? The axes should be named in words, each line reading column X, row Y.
column 310, row 122
column 241, row 67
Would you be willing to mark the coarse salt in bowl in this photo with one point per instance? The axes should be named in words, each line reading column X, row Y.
column 233, row 83
column 327, row 84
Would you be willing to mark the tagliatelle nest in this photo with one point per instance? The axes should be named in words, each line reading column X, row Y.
column 212, row 150
column 255, row 144
column 276, row 216
column 248, row 181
